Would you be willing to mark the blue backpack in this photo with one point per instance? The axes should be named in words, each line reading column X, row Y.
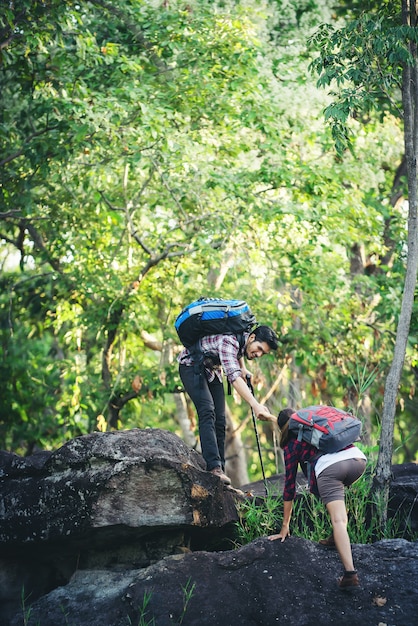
column 213, row 316
column 325, row 427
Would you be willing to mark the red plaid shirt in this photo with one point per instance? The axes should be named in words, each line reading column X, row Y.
column 227, row 350
column 297, row 453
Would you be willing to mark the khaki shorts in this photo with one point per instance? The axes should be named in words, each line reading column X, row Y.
column 332, row 480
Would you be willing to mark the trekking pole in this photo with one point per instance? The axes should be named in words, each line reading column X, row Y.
column 256, row 435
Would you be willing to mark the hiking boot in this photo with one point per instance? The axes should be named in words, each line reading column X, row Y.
column 350, row 579
column 217, row 471
column 328, row 542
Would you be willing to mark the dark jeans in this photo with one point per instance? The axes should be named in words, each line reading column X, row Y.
column 209, row 400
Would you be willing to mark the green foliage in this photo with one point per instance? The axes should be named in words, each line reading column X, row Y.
column 362, row 380
column 363, row 62
column 258, row 519
column 95, row 211
column 149, row 157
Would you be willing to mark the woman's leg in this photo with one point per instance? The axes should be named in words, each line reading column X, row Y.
column 338, row 515
column 331, row 489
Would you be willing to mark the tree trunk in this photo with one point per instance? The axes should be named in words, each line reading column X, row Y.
column 409, row 101
column 235, row 457
column 185, row 423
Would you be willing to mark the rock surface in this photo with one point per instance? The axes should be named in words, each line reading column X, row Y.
column 127, row 528
column 263, row 583
column 125, row 498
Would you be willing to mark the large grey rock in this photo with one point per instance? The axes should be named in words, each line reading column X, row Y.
column 124, row 499
column 136, row 479
column 404, row 496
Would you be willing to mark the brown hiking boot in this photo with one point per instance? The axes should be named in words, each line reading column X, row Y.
column 350, row 579
column 217, row 471
column 328, row 542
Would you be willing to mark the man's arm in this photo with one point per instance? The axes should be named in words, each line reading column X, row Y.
column 260, row 410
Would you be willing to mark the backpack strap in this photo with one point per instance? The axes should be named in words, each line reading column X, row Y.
column 198, row 356
column 241, row 341
column 310, row 465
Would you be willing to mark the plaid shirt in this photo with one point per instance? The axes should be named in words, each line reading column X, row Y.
column 297, row 453
column 225, row 349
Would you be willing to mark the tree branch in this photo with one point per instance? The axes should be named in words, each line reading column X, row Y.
column 19, row 153
column 11, row 213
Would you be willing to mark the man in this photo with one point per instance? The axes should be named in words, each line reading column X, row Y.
column 207, row 392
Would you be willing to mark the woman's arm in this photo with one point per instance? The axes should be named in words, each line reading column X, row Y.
column 287, row 514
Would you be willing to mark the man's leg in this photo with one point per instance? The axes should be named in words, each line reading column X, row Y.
column 216, row 389
column 202, row 399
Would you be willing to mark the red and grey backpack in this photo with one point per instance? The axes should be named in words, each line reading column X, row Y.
column 325, row 427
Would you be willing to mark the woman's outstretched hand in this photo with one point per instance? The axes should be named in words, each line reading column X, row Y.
column 281, row 535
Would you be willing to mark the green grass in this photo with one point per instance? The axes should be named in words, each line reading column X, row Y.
column 145, row 620
column 258, row 518
column 143, row 612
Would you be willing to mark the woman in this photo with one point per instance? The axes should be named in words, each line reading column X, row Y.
column 331, row 473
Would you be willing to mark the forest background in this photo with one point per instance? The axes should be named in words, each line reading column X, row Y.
column 153, row 152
